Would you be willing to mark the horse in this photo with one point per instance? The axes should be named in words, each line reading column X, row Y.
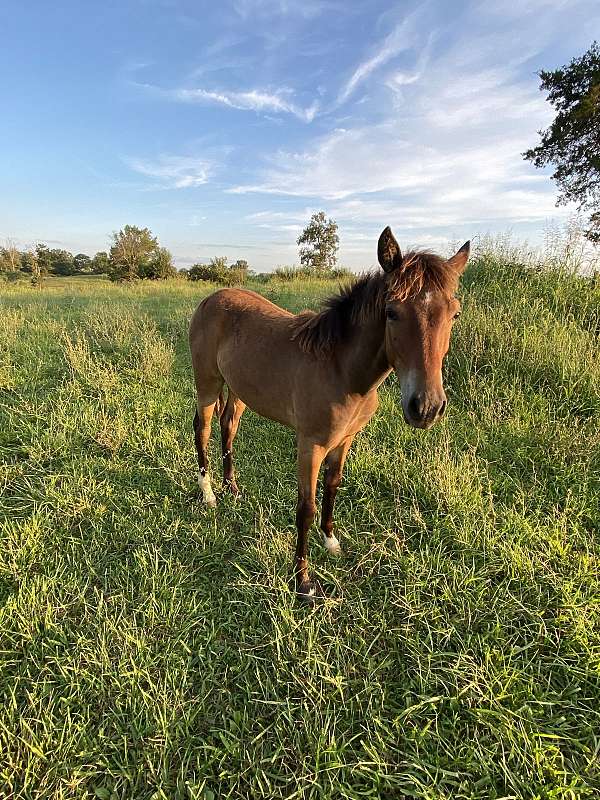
column 318, row 372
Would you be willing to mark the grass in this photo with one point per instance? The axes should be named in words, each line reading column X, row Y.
column 151, row 648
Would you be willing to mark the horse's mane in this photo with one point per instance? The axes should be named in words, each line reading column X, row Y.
column 358, row 302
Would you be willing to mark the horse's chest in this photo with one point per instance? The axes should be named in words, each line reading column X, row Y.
column 354, row 417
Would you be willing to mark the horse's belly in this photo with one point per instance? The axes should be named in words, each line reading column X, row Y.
column 263, row 387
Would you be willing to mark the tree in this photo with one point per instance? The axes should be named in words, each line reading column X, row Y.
column 201, row 272
column 82, row 264
column 217, row 271
column 319, row 243
column 44, row 257
column 218, row 263
column 100, row 263
column 10, row 257
column 131, row 249
column 61, row 262
column 572, row 142
column 37, row 267
column 159, row 266
column 30, row 263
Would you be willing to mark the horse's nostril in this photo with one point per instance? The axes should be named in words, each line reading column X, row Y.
column 416, row 407
column 442, row 408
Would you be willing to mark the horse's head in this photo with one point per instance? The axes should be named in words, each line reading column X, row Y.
column 420, row 311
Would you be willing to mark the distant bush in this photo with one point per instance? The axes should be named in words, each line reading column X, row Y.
column 290, row 274
column 218, row 272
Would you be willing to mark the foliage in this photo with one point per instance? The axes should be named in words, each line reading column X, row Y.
column 38, row 269
column 152, row 647
column 218, row 263
column 292, row 274
column 159, row 266
column 82, row 264
column 10, row 257
column 61, row 262
column 53, row 262
column 319, row 243
column 572, row 142
column 217, row 271
column 131, row 250
column 101, row 263
column 44, row 257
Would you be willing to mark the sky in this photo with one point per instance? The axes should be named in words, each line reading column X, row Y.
column 223, row 126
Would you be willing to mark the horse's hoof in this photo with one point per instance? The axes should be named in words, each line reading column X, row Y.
column 309, row 593
column 210, row 502
column 232, row 488
column 332, row 545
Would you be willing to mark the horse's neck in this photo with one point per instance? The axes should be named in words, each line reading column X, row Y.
column 364, row 361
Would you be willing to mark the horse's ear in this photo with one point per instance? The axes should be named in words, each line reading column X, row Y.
column 458, row 262
column 388, row 250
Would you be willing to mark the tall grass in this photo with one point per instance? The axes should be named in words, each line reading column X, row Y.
column 152, row 648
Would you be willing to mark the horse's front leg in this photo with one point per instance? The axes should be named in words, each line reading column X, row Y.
column 310, row 457
column 332, row 477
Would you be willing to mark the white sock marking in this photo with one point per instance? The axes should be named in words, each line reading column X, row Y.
column 208, row 495
column 332, row 545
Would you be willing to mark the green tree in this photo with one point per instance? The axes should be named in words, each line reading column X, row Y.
column 10, row 257
column 61, row 262
column 82, row 264
column 319, row 243
column 44, row 257
column 572, row 142
column 37, row 267
column 217, row 271
column 218, row 263
column 239, row 271
column 200, row 272
column 131, row 250
column 30, row 262
column 159, row 266
column 101, row 263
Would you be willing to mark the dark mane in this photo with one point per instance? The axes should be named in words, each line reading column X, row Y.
column 359, row 302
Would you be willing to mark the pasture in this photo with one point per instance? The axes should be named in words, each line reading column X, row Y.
column 152, row 648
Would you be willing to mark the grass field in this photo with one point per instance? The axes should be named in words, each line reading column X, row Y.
column 152, row 648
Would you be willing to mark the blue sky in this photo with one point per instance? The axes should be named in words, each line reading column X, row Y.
column 223, row 126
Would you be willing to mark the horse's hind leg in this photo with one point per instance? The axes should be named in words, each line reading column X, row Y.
column 202, row 421
column 230, row 419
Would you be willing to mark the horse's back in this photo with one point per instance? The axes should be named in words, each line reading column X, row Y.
column 236, row 301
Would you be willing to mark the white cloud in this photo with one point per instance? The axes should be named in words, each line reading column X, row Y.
column 307, row 9
column 252, row 100
column 448, row 151
column 400, row 39
column 174, row 172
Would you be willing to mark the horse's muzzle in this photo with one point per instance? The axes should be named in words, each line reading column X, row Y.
column 422, row 411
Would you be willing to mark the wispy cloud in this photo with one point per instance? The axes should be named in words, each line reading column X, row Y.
column 253, row 100
column 400, row 39
column 307, row 9
column 174, row 172
column 439, row 158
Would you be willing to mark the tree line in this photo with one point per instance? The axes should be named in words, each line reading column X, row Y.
column 136, row 254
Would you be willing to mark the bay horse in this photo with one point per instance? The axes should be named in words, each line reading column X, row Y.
column 318, row 372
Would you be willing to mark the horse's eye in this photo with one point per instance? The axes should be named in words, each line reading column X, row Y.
column 457, row 315
column 390, row 313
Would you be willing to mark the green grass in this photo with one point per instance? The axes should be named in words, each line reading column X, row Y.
column 151, row 648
